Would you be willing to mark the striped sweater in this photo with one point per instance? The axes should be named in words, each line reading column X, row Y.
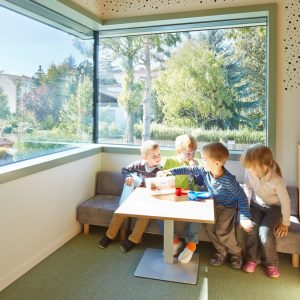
column 225, row 190
column 142, row 170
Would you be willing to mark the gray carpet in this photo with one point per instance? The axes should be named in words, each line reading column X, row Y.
column 80, row 270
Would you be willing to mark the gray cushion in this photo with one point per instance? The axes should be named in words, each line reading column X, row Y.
column 294, row 195
column 97, row 210
column 109, row 183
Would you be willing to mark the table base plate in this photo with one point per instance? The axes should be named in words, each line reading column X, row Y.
column 152, row 265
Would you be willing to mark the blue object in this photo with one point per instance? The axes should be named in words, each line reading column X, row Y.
column 128, row 189
column 198, row 196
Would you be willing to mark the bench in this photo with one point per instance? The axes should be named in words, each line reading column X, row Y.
column 99, row 210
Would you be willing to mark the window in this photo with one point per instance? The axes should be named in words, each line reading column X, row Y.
column 46, row 89
column 208, row 82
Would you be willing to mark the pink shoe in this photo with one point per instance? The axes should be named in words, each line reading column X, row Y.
column 250, row 267
column 272, row 271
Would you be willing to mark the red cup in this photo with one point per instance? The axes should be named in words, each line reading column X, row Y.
column 178, row 192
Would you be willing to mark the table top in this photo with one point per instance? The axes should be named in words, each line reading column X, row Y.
column 167, row 207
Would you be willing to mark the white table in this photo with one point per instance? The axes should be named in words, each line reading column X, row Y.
column 155, row 263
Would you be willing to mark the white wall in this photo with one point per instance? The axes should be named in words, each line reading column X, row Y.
column 38, row 214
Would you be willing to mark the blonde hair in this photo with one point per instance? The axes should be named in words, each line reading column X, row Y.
column 148, row 146
column 217, row 151
column 260, row 155
column 184, row 142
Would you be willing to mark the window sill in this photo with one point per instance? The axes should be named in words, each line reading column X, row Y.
column 27, row 167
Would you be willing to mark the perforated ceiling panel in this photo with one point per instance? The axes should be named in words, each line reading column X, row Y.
column 110, row 9
column 292, row 45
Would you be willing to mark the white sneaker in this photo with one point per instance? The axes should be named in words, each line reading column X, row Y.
column 186, row 255
column 176, row 247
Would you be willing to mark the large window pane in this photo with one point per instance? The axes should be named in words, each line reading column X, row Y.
column 209, row 83
column 45, row 89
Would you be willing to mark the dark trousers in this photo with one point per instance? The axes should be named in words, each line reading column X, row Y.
column 261, row 241
column 222, row 233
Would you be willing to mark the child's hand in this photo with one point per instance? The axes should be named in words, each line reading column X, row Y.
column 129, row 181
column 281, row 230
column 194, row 162
column 246, row 225
column 163, row 173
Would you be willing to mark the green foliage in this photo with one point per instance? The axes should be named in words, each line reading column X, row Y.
column 249, row 56
column 131, row 96
column 4, row 109
column 109, row 130
column 192, row 88
column 5, row 157
column 41, row 102
column 243, row 136
column 77, row 114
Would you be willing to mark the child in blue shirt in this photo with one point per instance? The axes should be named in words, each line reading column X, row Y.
column 228, row 197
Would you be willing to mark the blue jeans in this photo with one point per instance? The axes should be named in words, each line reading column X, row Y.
column 191, row 231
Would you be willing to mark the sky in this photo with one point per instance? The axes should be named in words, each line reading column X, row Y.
column 25, row 44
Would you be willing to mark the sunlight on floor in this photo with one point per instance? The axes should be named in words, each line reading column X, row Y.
column 203, row 281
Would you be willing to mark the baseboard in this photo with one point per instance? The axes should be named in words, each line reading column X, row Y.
column 16, row 273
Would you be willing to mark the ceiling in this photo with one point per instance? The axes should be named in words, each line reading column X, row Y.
column 112, row 9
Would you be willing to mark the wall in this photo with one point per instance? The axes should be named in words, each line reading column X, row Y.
column 288, row 60
column 38, row 214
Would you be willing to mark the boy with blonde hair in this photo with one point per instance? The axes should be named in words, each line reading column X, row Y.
column 186, row 146
column 228, row 197
column 134, row 175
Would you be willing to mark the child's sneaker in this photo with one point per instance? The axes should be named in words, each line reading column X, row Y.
column 250, row 267
column 127, row 245
column 186, row 255
column 217, row 260
column 104, row 242
column 236, row 261
column 272, row 271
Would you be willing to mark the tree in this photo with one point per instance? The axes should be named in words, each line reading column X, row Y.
column 4, row 109
column 76, row 115
column 192, row 89
column 42, row 104
column 154, row 47
column 126, row 49
column 249, row 51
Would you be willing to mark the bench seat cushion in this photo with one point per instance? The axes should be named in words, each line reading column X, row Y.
column 98, row 210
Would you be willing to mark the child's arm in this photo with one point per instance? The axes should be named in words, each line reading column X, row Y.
column 184, row 170
column 187, row 170
column 163, row 173
column 247, row 188
column 245, row 216
column 285, row 203
column 128, row 170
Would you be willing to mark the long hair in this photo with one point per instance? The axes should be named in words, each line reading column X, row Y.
column 260, row 155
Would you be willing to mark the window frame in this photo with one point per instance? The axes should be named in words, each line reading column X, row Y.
column 131, row 24
column 204, row 19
